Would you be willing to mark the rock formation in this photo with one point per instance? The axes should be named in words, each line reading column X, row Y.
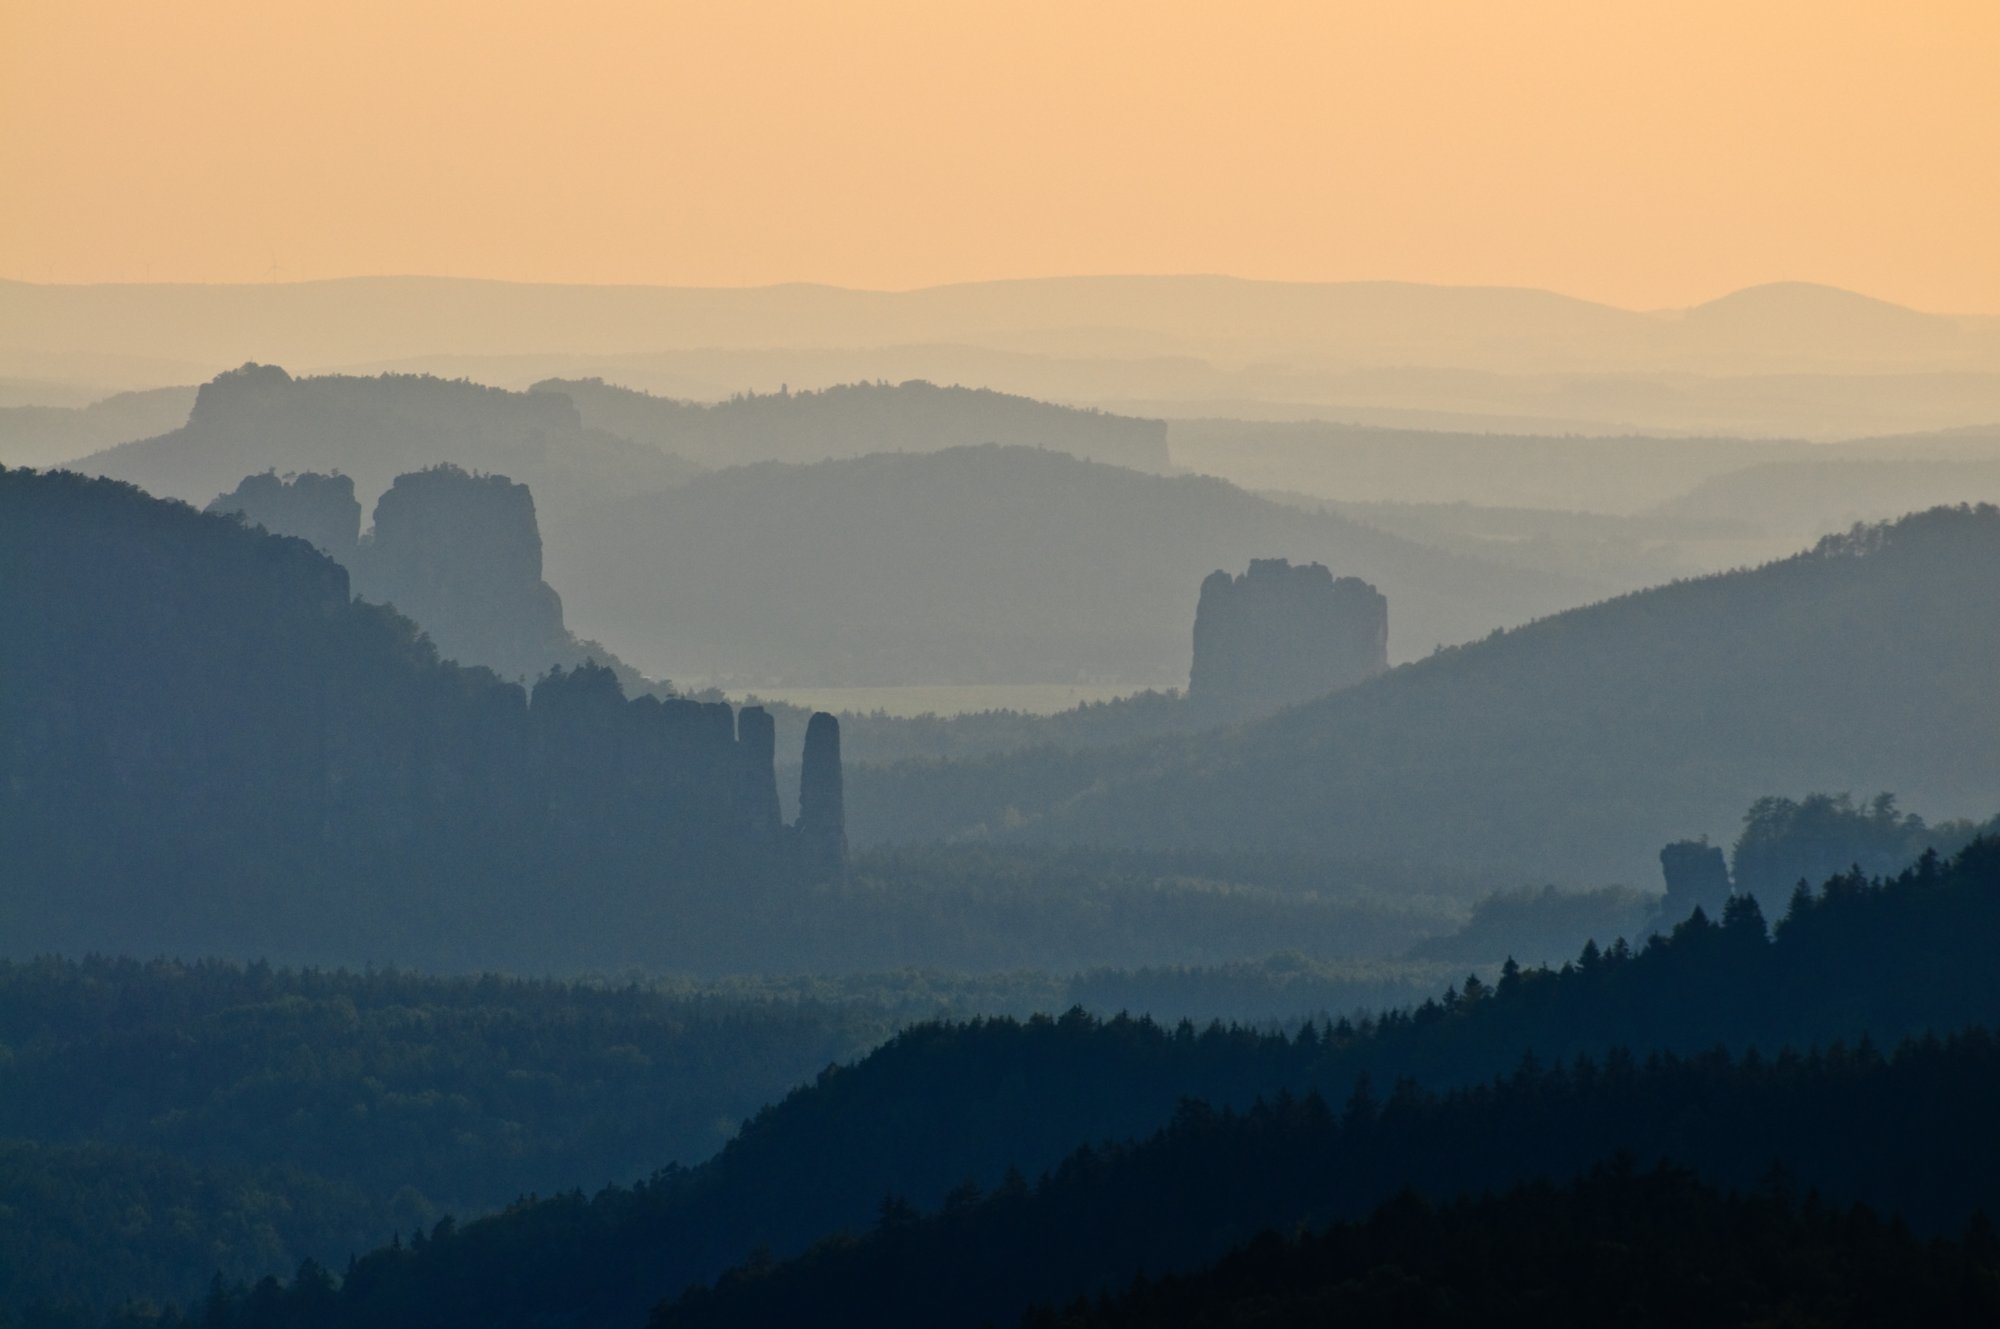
column 462, row 555
column 320, row 509
column 459, row 554
column 821, row 830
column 1281, row 633
column 1696, row 875
column 757, row 772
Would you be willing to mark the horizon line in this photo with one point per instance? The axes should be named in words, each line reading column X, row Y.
column 815, row 285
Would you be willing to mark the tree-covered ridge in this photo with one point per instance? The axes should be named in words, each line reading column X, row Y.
column 1571, row 748
column 1905, row 1133
column 164, row 1121
column 849, row 419
column 941, row 1105
column 211, row 747
column 1658, row 1248
column 469, row 1091
column 160, row 1122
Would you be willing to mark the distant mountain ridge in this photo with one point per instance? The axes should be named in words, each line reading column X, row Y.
column 259, row 417
column 853, row 419
column 326, row 323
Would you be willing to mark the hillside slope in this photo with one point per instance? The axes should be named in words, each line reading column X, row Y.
column 1574, row 747
column 854, row 419
column 985, row 564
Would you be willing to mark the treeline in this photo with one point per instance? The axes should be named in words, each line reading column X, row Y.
column 1655, row 1250
column 1783, row 842
column 1905, row 1134
column 161, row 1122
column 850, row 419
column 943, row 1105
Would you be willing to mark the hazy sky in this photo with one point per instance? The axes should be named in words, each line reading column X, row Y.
column 1643, row 152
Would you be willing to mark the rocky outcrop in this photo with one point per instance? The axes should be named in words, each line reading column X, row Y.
column 458, row 553
column 1282, row 633
column 1696, row 875
column 757, row 772
column 462, row 555
column 821, row 830
column 320, row 509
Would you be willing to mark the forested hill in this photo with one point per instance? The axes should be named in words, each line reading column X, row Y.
column 857, row 418
column 1572, row 748
column 1664, row 1248
column 260, row 418
column 1903, row 1134
column 949, row 1104
column 982, row 564
column 209, row 747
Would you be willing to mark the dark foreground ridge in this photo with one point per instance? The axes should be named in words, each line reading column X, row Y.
column 1664, row 1249
column 942, row 1106
column 214, row 747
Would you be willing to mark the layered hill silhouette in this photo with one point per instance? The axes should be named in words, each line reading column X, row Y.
column 1791, row 358
column 1569, row 749
column 364, row 318
column 47, row 435
column 852, row 419
column 259, row 418
column 212, row 747
column 986, row 564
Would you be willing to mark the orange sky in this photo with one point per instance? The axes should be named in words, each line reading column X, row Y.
column 1642, row 152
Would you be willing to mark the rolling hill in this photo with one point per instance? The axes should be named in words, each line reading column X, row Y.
column 1569, row 749
column 985, row 564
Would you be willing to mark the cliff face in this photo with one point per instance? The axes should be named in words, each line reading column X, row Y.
column 1282, row 633
column 462, row 555
column 1696, row 875
column 821, row 831
column 321, row 509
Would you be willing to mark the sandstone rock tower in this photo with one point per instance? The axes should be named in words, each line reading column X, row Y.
column 821, row 830
column 757, row 774
column 1282, row 633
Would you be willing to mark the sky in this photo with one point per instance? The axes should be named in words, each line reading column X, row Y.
column 1646, row 154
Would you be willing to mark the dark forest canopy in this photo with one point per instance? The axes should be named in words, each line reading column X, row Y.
column 1847, row 1122
column 944, row 1105
column 162, row 1121
column 856, row 418
column 212, row 747
column 1904, row 1132
column 1572, row 748
column 1661, row 1247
